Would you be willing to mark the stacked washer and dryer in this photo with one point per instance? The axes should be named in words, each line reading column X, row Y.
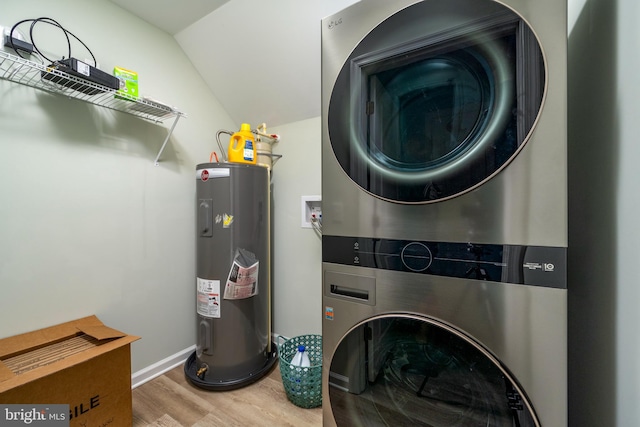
column 444, row 188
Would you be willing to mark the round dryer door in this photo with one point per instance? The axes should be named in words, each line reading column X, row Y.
column 436, row 100
column 403, row 370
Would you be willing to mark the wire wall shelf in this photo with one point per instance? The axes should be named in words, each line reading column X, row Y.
column 39, row 76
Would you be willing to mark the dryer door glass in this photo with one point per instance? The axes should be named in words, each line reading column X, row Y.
column 412, row 371
column 436, row 100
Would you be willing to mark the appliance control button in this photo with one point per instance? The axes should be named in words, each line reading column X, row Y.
column 416, row 257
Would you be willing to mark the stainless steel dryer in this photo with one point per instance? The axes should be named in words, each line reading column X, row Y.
column 445, row 213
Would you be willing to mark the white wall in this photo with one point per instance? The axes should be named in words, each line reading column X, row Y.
column 604, row 254
column 627, row 319
column 262, row 58
column 88, row 224
column 297, row 287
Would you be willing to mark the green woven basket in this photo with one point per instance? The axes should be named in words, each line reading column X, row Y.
column 302, row 385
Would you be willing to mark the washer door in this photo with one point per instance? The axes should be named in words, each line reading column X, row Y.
column 405, row 370
column 436, row 100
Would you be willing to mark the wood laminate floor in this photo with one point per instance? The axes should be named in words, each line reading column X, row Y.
column 171, row 401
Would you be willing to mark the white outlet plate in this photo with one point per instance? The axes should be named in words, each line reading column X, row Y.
column 4, row 30
column 308, row 205
column 17, row 34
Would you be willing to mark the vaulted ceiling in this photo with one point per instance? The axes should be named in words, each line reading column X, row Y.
column 260, row 58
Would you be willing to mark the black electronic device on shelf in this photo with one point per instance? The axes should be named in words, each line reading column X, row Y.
column 81, row 71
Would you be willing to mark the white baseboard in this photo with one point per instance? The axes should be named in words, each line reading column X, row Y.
column 159, row 368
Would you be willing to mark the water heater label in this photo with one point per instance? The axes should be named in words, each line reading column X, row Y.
column 206, row 174
column 208, row 304
column 243, row 277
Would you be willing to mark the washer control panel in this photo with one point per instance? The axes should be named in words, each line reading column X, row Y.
column 529, row 265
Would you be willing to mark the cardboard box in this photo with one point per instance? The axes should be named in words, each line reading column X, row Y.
column 82, row 363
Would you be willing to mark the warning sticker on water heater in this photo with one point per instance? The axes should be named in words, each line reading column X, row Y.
column 208, row 304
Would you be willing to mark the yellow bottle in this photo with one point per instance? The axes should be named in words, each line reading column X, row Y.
column 242, row 147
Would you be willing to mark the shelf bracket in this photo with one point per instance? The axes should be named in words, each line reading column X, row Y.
column 175, row 122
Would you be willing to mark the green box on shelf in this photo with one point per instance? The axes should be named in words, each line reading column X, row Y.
column 128, row 83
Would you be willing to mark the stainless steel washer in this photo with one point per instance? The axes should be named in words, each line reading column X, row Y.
column 445, row 213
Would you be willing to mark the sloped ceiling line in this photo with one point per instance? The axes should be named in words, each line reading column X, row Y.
column 261, row 59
